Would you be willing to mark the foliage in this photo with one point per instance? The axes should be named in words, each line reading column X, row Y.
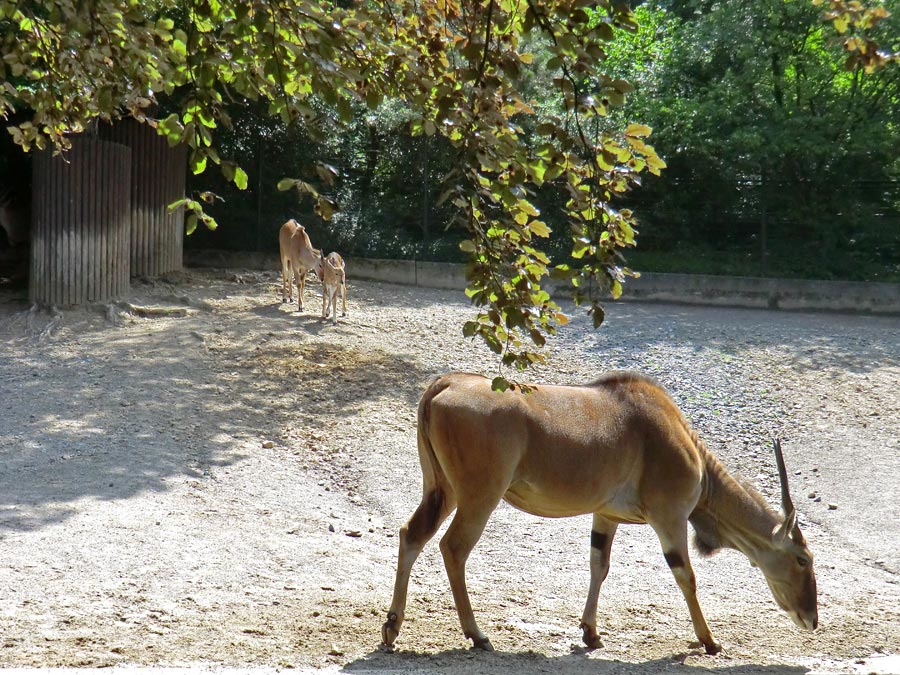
column 456, row 65
column 857, row 23
column 777, row 153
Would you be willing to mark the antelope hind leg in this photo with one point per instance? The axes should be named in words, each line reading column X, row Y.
column 433, row 510
column 287, row 287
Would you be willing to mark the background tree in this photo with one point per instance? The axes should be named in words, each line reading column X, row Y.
column 782, row 154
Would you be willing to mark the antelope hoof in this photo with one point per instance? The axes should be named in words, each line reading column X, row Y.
column 389, row 631
column 590, row 637
column 482, row 643
column 712, row 648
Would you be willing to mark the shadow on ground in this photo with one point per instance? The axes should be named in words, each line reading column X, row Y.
column 576, row 663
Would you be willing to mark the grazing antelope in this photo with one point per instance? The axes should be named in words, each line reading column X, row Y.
column 334, row 280
column 298, row 257
column 619, row 449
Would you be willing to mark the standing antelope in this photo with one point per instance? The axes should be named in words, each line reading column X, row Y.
column 334, row 280
column 297, row 257
column 619, row 449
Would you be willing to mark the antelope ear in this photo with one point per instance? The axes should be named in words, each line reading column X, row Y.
column 782, row 533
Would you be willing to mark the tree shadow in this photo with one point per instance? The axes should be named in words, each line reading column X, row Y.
column 110, row 427
column 108, row 414
column 575, row 663
column 331, row 378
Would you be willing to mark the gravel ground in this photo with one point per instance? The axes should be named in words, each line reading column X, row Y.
column 206, row 477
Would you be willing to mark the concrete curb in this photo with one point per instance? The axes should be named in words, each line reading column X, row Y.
column 694, row 289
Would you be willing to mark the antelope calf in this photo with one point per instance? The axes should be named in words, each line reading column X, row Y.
column 334, row 280
column 619, row 449
column 298, row 257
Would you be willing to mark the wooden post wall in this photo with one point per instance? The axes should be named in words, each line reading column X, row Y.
column 158, row 176
column 81, row 213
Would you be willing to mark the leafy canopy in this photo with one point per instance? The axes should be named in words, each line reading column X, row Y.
column 458, row 65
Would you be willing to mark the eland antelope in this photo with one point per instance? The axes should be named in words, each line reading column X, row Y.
column 298, row 257
column 619, row 449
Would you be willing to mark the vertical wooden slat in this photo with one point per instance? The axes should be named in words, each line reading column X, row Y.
column 104, row 234
column 126, row 166
column 79, row 285
column 81, row 210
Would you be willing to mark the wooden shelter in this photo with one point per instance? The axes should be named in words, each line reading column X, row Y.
column 81, row 224
column 157, row 179
column 100, row 215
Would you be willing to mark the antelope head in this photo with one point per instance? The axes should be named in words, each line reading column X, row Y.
column 319, row 266
column 787, row 562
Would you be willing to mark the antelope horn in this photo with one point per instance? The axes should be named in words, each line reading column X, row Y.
column 790, row 513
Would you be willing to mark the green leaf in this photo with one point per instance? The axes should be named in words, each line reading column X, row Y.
column 240, row 178
column 500, row 383
column 539, row 228
column 639, row 130
column 597, row 314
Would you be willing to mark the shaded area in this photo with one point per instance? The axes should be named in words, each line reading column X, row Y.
column 126, row 422
column 532, row 662
column 110, row 414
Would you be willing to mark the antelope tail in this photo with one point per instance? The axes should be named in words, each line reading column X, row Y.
column 432, row 473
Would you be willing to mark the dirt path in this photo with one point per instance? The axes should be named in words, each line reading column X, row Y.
column 215, row 479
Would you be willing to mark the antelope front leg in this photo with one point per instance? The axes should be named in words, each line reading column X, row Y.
column 673, row 537
column 602, row 533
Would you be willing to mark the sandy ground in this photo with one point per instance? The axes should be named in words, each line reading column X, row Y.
column 206, row 477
